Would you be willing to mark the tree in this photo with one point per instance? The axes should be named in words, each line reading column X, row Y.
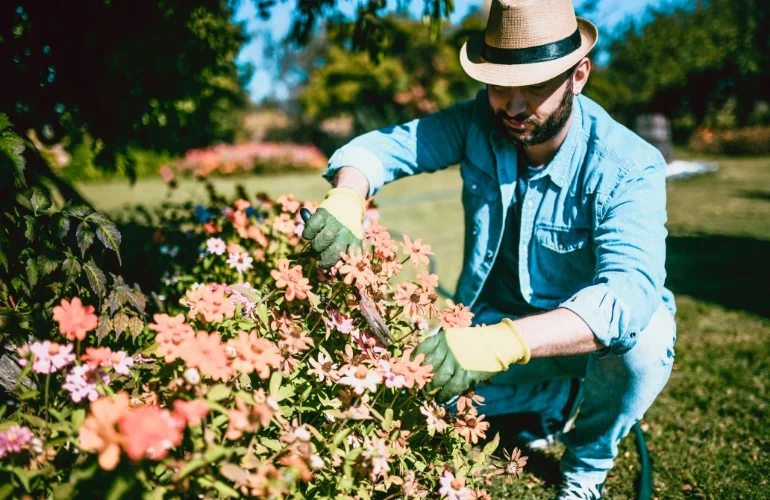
column 139, row 73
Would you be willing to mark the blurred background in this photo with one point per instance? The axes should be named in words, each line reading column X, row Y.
column 125, row 100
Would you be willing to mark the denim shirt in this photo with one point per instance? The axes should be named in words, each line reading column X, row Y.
column 592, row 234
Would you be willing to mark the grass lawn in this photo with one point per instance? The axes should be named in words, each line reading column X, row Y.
column 709, row 431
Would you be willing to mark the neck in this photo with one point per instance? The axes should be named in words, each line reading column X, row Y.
column 541, row 154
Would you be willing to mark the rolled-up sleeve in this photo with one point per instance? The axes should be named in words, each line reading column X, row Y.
column 423, row 145
column 630, row 248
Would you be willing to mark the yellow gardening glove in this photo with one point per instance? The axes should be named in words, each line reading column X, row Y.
column 336, row 225
column 462, row 357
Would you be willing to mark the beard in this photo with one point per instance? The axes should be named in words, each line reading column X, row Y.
column 541, row 131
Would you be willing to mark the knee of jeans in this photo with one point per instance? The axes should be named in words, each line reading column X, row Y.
column 655, row 346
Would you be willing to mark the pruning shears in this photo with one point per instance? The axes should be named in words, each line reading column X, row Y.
column 365, row 303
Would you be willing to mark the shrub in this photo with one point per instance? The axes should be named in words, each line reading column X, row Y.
column 257, row 376
column 744, row 141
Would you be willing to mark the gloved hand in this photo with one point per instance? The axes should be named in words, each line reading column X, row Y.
column 336, row 225
column 462, row 357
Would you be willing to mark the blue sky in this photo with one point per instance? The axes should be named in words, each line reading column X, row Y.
column 263, row 83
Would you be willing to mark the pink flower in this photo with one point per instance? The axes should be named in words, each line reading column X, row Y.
column 454, row 487
column 392, row 380
column 339, row 322
column 216, row 246
column 75, row 319
column 13, row 439
column 50, row 357
column 435, row 417
column 81, row 382
column 428, row 281
column 323, row 368
column 121, row 361
column 456, row 316
column 288, row 203
column 241, row 262
column 416, row 251
column 292, row 280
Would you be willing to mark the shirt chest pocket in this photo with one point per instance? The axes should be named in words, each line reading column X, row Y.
column 480, row 197
column 563, row 258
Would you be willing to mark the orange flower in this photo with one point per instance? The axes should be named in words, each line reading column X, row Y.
column 298, row 464
column 191, row 411
column 149, row 431
column 98, row 432
column 288, row 203
column 467, row 399
column 428, row 281
column 241, row 204
column 356, row 265
column 295, row 340
column 471, row 427
column 97, row 356
column 245, row 418
column 255, row 354
column 411, row 298
column 385, row 248
column 412, row 370
column 213, row 305
column 296, row 285
column 75, row 319
column 416, row 251
column 206, row 352
column 456, row 316
column 172, row 331
column 285, row 224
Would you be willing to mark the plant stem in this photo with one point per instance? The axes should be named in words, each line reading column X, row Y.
column 47, row 385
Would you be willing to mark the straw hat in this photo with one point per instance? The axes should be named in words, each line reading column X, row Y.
column 527, row 42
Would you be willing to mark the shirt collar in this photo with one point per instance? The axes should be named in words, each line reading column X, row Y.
column 559, row 167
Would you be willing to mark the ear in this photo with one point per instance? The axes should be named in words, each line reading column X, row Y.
column 580, row 75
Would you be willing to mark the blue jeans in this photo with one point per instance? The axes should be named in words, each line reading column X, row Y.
column 617, row 390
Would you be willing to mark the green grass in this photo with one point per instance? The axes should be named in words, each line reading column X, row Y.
column 709, row 431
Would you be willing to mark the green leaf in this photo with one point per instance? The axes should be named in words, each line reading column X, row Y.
column 33, row 420
column 119, row 323
column 78, row 211
column 285, row 392
column 137, row 299
column 121, row 486
column 12, row 148
column 96, row 278
column 85, row 237
column 135, row 325
column 218, row 392
column 3, row 259
column 71, row 268
column 191, row 466
column 262, row 314
column 29, row 394
column 491, row 446
column 388, row 421
column 215, row 453
column 275, row 383
column 40, row 202
column 4, row 122
column 78, row 417
column 104, row 327
column 6, row 490
column 32, row 273
column 62, row 227
column 46, row 265
column 31, row 228
column 109, row 235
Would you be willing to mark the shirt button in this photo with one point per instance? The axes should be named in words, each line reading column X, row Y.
column 529, row 203
column 473, row 187
column 489, row 254
column 561, row 246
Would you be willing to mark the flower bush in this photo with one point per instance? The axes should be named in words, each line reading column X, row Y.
column 257, row 375
column 247, row 157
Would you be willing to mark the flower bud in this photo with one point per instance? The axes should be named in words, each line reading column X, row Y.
column 192, row 376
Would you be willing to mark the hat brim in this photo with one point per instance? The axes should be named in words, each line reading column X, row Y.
column 521, row 75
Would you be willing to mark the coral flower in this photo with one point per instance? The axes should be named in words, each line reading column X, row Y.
column 471, row 427
column 456, row 316
column 468, row 399
column 254, row 354
column 206, row 352
column 288, row 203
column 284, row 224
column 296, row 285
column 75, row 319
column 103, row 356
column 148, row 431
column 413, row 371
column 191, row 411
column 98, row 432
column 514, row 465
column 416, row 251
column 385, row 248
column 428, row 281
column 295, row 340
column 356, row 265
column 172, row 331
column 411, row 298
column 213, row 305
column 435, row 417
column 245, row 418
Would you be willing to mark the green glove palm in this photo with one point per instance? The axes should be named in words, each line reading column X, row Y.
column 335, row 226
column 462, row 357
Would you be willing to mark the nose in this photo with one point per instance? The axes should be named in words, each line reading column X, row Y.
column 515, row 103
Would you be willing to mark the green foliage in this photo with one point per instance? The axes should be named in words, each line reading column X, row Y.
column 689, row 63
column 411, row 76
column 147, row 75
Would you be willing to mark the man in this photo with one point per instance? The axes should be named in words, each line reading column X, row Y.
column 564, row 236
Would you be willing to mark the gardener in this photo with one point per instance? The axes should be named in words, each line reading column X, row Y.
column 564, row 236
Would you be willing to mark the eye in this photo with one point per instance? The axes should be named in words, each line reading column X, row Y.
column 538, row 87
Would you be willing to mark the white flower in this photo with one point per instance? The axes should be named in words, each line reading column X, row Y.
column 241, row 262
column 434, row 417
column 454, row 488
column 192, row 376
column 361, row 379
column 377, row 452
column 121, row 361
column 323, row 368
column 216, row 246
column 421, row 323
column 302, row 433
column 316, row 462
